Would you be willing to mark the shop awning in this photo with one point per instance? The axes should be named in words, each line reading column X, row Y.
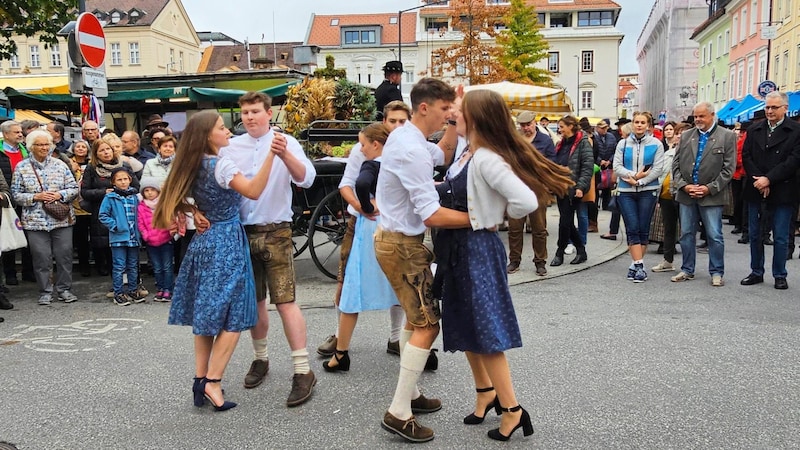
column 726, row 110
column 526, row 97
column 745, row 105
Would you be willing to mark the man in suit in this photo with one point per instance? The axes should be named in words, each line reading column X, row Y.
column 389, row 90
column 701, row 171
column 771, row 156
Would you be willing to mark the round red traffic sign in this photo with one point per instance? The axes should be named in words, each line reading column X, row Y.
column 91, row 39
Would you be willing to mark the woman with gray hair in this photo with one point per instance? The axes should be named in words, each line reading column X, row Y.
column 44, row 187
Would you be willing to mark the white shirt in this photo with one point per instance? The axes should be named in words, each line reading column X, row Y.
column 406, row 195
column 351, row 171
column 275, row 203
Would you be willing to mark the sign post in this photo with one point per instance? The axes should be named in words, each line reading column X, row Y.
column 87, row 51
column 765, row 87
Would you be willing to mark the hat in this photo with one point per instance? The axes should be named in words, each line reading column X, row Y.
column 622, row 121
column 155, row 120
column 150, row 182
column 689, row 120
column 602, row 124
column 760, row 114
column 544, row 118
column 525, row 117
column 393, row 67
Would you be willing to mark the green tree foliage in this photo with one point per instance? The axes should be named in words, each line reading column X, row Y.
column 33, row 17
column 523, row 46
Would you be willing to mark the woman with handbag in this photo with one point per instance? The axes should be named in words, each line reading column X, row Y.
column 574, row 151
column 5, row 203
column 44, row 187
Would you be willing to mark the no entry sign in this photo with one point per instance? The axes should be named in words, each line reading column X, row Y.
column 91, row 39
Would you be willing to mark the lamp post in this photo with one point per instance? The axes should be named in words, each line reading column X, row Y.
column 578, row 91
column 400, row 25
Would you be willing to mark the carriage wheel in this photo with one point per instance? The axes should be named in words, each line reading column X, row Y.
column 326, row 231
column 300, row 234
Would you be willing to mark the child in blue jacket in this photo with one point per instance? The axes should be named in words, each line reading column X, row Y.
column 118, row 213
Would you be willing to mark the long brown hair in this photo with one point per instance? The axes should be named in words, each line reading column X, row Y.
column 195, row 145
column 489, row 125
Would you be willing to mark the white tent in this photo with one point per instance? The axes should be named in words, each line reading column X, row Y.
column 530, row 98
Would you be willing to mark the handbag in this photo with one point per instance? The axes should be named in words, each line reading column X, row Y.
column 612, row 203
column 12, row 236
column 57, row 210
column 589, row 196
column 607, row 179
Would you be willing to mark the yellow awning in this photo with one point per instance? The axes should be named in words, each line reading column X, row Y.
column 24, row 114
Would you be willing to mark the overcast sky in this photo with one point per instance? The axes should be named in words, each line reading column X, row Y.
column 253, row 19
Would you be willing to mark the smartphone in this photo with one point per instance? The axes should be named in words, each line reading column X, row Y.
column 647, row 167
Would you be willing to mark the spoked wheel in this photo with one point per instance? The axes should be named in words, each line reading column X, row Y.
column 300, row 234
column 326, row 231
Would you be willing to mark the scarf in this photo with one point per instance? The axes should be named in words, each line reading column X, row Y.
column 126, row 192
column 104, row 169
column 151, row 203
column 165, row 161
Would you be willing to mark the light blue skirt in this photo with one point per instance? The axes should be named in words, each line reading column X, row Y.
column 365, row 286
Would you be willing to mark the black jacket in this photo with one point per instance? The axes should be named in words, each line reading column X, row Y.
column 386, row 92
column 777, row 158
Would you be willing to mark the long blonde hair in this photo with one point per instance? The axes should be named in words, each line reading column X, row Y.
column 489, row 125
column 194, row 146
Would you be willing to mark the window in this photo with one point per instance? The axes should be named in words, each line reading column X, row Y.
column 461, row 68
column 540, row 17
column 497, row 2
column 172, row 58
column 753, row 16
column 797, row 71
column 704, row 59
column 740, row 80
column 116, row 54
column 436, row 24
column 560, row 20
column 180, row 60
column 743, row 22
column 436, row 65
column 716, row 91
column 762, row 67
column 719, row 45
column 735, row 31
column 55, row 55
column 587, row 61
column 439, row 3
column 586, row 100
column 595, row 18
column 785, row 67
column 133, row 50
column 35, row 60
column 751, row 67
column 710, row 50
column 14, row 61
column 732, row 93
column 393, row 20
column 360, row 37
column 727, row 41
column 702, row 94
column 777, row 66
column 334, row 22
column 724, row 87
column 552, row 62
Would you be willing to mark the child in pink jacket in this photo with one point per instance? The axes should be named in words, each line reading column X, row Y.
column 159, row 241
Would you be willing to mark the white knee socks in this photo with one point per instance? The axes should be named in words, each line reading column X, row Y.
column 260, row 349
column 412, row 362
column 396, row 319
column 300, row 361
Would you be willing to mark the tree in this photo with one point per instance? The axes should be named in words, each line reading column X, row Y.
column 32, row 17
column 474, row 59
column 522, row 46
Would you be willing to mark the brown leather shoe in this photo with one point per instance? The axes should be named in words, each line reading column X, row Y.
column 393, row 347
column 422, row 405
column 408, row 429
column 302, row 387
column 255, row 376
column 328, row 347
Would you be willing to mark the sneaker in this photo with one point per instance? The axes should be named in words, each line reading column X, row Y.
column 664, row 266
column 67, row 297
column 393, row 347
column 541, row 270
column 407, row 429
column 682, row 276
column 159, row 296
column 110, row 293
column 4, row 303
column 142, row 292
column 328, row 347
column 302, row 388
column 45, row 299
column 641, row 275
column 717, row 281
column 570, row 249
column 166, row 296
column 423, row 405
column 631, row 273
column 512, row 268
column 136, row 296
column 121, row 300
column 255, row 376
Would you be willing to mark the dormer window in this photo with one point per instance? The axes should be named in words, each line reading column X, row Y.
column 115, row 16
column 334, row 22
column 100, row 14
column 134, row 15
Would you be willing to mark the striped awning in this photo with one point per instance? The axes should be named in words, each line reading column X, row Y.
column 24, row 114
column 526, row 97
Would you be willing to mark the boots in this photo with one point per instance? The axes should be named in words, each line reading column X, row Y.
column 592, row 226
column 580, row 256
column 4, row 303
column 558, row 259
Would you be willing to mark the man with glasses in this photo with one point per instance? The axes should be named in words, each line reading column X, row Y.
column 771, row 157
column 91, row 132
column 538, row 218
column 130, row 147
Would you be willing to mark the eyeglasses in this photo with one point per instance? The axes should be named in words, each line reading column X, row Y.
column 771, row 108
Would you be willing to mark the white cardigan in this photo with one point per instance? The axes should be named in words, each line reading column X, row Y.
column 493, row 189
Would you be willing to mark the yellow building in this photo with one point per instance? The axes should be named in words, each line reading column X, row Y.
column 143, row 37
column 784, row 65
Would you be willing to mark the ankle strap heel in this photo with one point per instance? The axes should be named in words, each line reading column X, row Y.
column 486, row 389
column 524, row 423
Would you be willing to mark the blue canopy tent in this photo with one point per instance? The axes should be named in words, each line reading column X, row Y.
column 745, row 104
column 749, row 113
column 794, row 104
column 726, row 110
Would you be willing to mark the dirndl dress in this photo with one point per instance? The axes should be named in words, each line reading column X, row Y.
column 365, row 286
column 477, row 312
column 215, row 288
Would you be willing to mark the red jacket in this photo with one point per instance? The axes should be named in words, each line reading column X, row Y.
column 738, row 174
column 152, row 236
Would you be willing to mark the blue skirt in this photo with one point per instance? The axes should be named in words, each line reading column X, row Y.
column 365, row 286
column 214, row 290
column 477, row 312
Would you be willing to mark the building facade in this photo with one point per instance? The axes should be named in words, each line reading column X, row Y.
column 714, row 38
column 668, row 59
column 785, row 47
column 749, row 52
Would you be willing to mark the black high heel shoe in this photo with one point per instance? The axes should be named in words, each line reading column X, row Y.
column 226, row 405
column 342, row 364
column 472, row 419
column 524, row 422
column 197, row 390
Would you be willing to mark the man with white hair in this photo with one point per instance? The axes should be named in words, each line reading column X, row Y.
column 701, row 171
column 771, row 156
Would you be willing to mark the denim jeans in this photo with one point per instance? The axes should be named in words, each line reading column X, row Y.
column 781, row 224
column 124, row 260
column 690, row 216
column 637, row 211
column 161, row 258
column 582, row 210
